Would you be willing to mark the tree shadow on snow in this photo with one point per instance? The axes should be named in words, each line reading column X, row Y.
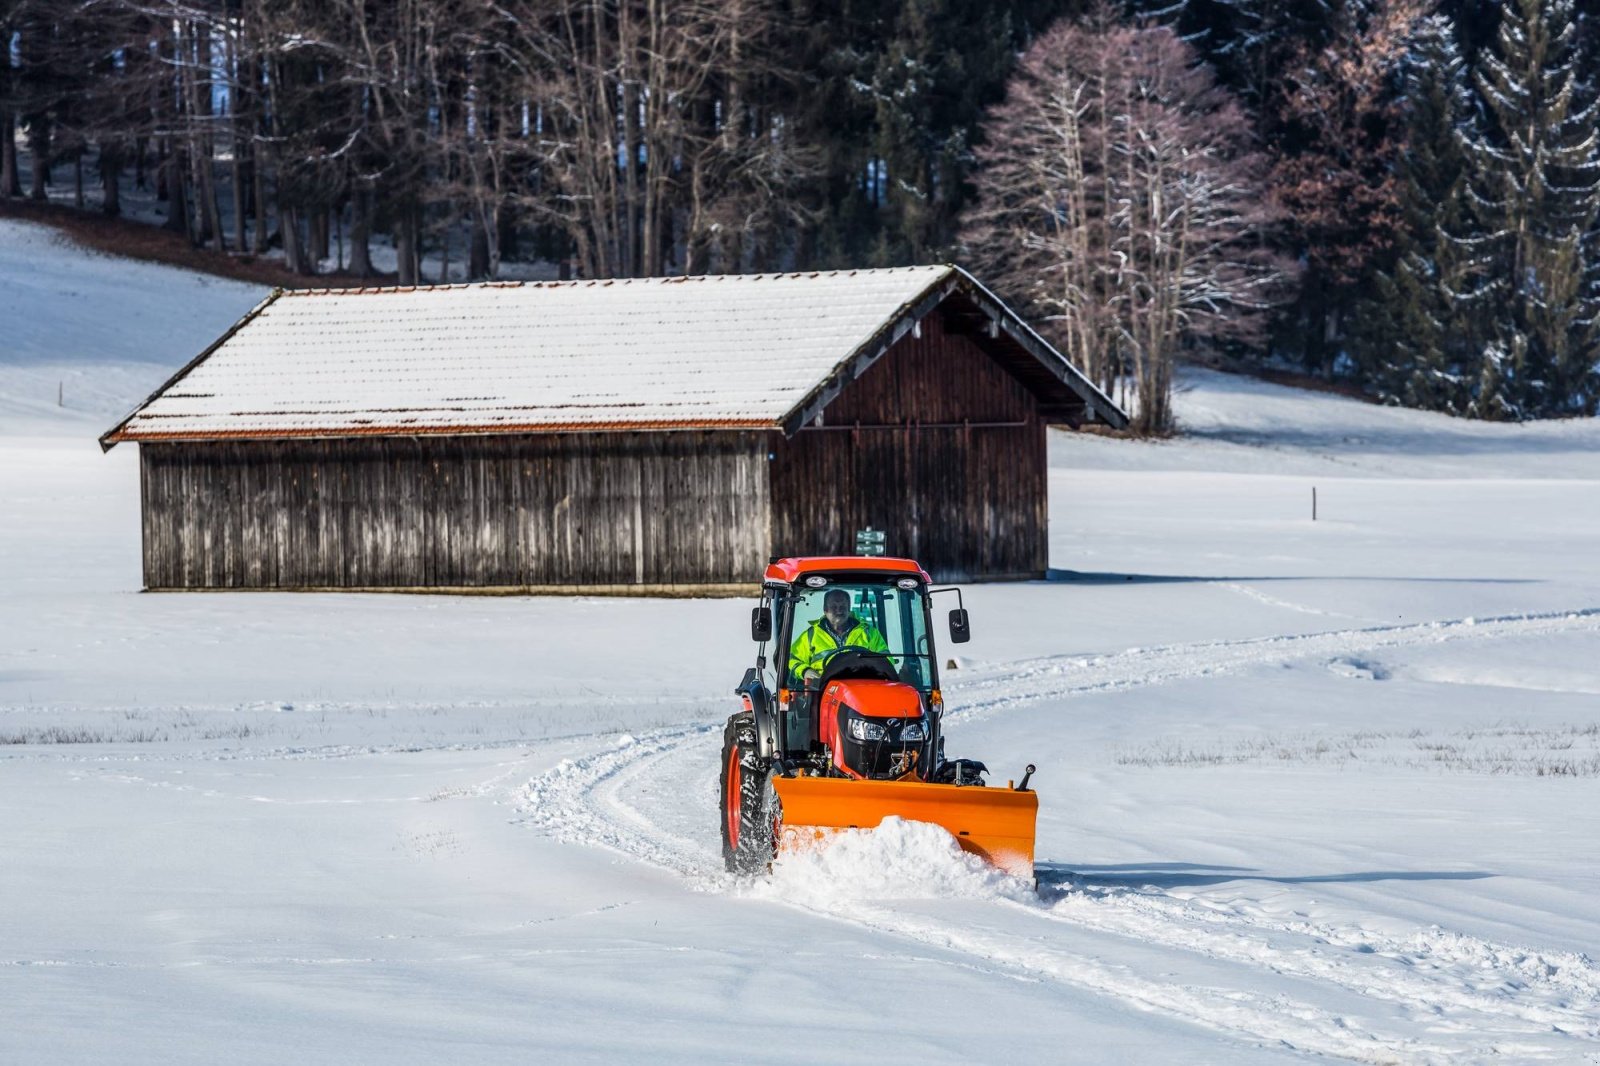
column 1112, row 577
column 1058, row 879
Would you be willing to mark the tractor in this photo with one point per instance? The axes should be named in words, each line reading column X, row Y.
column 839, row 732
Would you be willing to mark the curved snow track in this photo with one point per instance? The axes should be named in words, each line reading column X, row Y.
column 1351, row 991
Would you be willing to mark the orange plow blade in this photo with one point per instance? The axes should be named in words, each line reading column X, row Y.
column 996, row 824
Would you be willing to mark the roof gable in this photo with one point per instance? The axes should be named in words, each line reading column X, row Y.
column 758, row 351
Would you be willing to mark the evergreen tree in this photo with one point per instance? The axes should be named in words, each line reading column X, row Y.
column 1419, row 333
column 897, row 92
column 1250, row 42
column 1536, row 186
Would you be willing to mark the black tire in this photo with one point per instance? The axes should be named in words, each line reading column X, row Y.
column 747, row 814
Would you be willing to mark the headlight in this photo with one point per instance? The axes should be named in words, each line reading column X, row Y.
column 862, row 729
column 916, row 729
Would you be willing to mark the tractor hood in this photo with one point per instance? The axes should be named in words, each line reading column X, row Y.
column 872, row 698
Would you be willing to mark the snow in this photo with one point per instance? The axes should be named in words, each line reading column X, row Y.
column 1307, row 788
column 499, row 356
column 506, row 357
column 86, row 335
column 896, row 860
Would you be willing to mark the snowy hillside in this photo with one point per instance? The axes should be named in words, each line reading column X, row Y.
column 1307, row 788
column 90, row 335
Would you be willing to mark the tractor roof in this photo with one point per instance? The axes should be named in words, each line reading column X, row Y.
column 788, row 571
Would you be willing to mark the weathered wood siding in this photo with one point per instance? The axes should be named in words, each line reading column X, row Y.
column 958, row 479
column 687, row 508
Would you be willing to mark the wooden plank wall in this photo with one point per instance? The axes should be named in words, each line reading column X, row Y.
column 967, row 502
column 439, row 512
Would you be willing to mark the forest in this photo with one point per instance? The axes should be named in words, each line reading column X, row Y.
column 1397, row 196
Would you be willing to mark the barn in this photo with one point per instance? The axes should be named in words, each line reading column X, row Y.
column 661, row 435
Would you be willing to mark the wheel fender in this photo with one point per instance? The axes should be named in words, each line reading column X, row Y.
column 759, row 702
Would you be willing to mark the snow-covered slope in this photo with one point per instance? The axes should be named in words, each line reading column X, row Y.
column 87, row 336
column 1308, row 788
column 1239, row 424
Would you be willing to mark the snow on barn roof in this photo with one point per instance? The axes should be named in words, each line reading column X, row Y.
column 757, row 351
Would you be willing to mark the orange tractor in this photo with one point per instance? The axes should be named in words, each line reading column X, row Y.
column 841, row 726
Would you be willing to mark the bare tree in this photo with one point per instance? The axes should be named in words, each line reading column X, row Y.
column 650, row 135
column 1122, row 203
column 646, row 149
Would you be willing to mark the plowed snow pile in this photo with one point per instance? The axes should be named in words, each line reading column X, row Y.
column 897, row 860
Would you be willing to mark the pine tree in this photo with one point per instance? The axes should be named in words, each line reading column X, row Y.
column 1536, row 187
column 1250, row 43
column 1419, row 334
column 897, row 92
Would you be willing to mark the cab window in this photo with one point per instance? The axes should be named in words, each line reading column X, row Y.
column 898, row 614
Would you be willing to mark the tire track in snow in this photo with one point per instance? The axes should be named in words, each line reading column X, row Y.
column 575, row 803
column 1463, row 982
column 1267, row 1018
column 1443, row 974
column 1060, row 677
column 1451, row 990
column 583, row 801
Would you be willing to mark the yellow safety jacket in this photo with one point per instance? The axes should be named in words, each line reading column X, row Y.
column 811, row 647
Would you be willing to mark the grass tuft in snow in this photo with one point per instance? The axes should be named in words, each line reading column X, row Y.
column 56, row 734
column 1510, row 750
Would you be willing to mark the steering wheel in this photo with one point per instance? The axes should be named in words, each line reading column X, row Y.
column 866, row 655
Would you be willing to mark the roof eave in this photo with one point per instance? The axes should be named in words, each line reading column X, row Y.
column 118, row 433
column 1097, row 405
column 902, row 321
column 400, row 430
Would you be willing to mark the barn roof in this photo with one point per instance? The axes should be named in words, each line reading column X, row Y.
column 750, row 351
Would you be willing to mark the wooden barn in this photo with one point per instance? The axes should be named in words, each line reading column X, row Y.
column 662, row 435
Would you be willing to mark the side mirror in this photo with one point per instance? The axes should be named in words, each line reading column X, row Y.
column 761, row 624
column 960, row 630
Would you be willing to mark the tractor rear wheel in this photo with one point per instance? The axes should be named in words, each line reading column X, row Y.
column 747, row 818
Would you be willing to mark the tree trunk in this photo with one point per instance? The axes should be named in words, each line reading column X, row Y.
column 478, row 252
column 177, row 202
column 405, row 246
column 289, row 231
column 505, row 235
column 629, row 259
column 111, row 181
column 259, row 238
column 10, row 182
column 39, row 146
column 317, row 224
column 163, row 194
column 206, row 182
column 239, row 168
column 237, row 179
column 361, row 234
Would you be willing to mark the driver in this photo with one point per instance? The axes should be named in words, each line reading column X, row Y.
column 836, row 629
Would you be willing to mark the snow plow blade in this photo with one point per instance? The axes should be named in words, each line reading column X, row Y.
column 996, row 824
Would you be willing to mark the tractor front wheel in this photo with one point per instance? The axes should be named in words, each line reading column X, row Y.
column 747, row 820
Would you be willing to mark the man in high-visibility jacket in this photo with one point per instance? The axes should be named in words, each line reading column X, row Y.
column 837, row 628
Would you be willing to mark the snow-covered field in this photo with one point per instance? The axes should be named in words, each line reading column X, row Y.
column 1308, row 788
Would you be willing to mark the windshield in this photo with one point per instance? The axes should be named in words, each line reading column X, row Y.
column 881, row 617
